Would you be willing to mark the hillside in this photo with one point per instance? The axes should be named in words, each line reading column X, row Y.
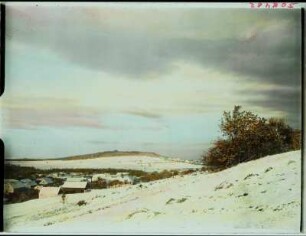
column 145, row 161
column 258, row 196
column 94, row 155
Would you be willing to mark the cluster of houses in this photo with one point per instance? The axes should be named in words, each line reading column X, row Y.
column 14, row 185
column 71, row 183
column 123, row 177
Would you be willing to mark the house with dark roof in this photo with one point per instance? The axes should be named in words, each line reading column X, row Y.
column 74, row 187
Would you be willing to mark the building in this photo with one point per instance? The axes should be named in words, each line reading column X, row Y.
column 122, row 174
column 74, row 187
column 45, row 181
column 28, row 182
column 77, row 179
column 46, row 192
column 38, row 187
column 14, row 185
column 53, row 175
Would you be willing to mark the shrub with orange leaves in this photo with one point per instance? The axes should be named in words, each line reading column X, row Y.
column 247, row 136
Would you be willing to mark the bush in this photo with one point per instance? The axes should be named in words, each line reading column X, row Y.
column 99, row 184
column 115, row 182
column 187, row 172
column 247, row 136
column 158, row 175
column 81, row 203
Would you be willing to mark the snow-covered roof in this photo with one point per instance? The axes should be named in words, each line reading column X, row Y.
column 48, row 192
column 81, row 185
column 15, row 184
column 122, row 173
column 28, row 181
column 46, row 180
column 77, row 179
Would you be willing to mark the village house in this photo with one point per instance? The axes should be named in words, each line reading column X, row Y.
column 74, row 187
column 123, row 177
column 46, row 192
column 122, row 174
column 14, row 185
column 38, row 187
column 77, row 179
column 63, row 175
column 53, row 175
column 28, row 182
column 45, row 181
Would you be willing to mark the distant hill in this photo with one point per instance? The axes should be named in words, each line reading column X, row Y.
column 95, row 155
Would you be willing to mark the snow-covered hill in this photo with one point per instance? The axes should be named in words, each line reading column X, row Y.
column 258, row 196
column 138, row 162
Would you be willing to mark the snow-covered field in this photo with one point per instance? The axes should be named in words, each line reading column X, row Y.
column 258, row 196
column 145, row 163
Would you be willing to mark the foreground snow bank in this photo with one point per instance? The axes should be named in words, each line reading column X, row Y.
column 258, row 196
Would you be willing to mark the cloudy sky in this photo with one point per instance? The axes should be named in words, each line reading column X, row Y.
column 82, row 79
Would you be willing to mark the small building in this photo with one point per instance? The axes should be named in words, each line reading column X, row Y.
column 14, row 185
column 45, row 181
column 77, row 179
column 53, row 175
column 74, row 187
column 38, row 187
column 63, row 176
column 28, row 182
column 122, row 174
column 46, row 192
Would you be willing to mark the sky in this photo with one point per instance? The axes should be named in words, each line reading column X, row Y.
column 102, row 77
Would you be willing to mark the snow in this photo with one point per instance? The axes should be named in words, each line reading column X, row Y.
column 46, row 192
column 77, row 179
column 109, row 177
column 260, row 196
column 74, row 184
column 145, row 163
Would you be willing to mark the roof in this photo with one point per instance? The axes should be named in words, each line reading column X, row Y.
column 80, row 185
column 48, row 192
column 10, row 180
column 28, row 181
column 16, row 184
column 122, row 173
column 47, row 180
column 77, row 179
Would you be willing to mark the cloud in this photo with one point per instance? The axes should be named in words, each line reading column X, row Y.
column 100, row 142
column 286, row 100
column 260, row 46
column 30, row 113
column 129, row 42
column 145, row 114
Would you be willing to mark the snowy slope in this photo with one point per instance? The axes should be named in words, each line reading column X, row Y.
column 258, row 196
column 140, row 162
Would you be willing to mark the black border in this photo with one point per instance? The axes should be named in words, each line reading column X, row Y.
column 2, row 83
column 302, row 114
column 2, row 49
